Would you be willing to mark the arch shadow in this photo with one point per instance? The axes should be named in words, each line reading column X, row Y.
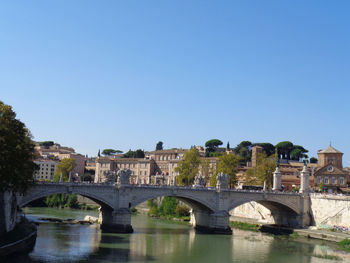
column 33, row 197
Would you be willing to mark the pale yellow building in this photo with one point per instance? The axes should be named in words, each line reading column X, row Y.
column 47, row 169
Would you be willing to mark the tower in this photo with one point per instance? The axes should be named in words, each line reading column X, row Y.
column 332, row 156
column 255, row 151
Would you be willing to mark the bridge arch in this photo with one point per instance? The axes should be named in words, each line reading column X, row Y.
column 36, row 194
column 282, row 213
column 193, row 202
column 205, row 216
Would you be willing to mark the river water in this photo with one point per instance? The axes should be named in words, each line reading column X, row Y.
column 157, row 240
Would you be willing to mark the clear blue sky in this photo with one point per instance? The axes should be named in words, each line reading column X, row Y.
column 126, row 74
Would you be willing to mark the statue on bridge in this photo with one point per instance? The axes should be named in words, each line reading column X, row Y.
column 123, row 177
column 109, row 177
column 199, row 181
column 222, row 181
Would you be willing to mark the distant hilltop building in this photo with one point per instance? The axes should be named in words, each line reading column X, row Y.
column 54, row 151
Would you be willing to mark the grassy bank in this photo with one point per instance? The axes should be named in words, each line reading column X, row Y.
column 345, row 245
column 244, row 226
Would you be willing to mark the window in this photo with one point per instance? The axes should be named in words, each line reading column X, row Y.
column 341, row 180
column 319, row 180
column 326, row 180
column 334, row 181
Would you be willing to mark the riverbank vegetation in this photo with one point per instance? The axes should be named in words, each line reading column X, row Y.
column 169, row 208
column 66, row 201
column 345, row 245
column 245, row 226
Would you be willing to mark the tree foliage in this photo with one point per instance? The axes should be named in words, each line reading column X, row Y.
column 109, row 152
column 228, row 164
column 188, row 167
column 64, row 167
column 212, row 145
column 268, row 148
column 86, row 177
column 46, row 143
column 265, row 166
column 207, row 170
column 298, row 153
column 313, row 160
column 159, row 146
column 62, row 200
column 244, row 150
column 284, row 149
column 168, row 206
column 16, row 152
column 289, row 151
column 134, row 154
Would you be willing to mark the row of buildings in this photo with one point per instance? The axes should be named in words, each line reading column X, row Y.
column 158, row 167
column 48, row 157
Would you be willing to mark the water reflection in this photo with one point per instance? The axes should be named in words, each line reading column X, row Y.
column 164, row 241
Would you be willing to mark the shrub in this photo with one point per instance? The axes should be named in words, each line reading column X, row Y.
column 182, row 210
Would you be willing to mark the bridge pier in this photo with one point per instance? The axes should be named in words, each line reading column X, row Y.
column 212, row 223
column 115, row 221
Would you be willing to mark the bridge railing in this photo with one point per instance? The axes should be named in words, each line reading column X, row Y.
column 197, row 188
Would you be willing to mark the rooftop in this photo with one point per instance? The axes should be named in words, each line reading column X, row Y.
column 330, row 149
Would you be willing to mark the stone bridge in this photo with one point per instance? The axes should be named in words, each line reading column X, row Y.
column 210, row 206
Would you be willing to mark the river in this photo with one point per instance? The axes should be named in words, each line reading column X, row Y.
column 157, row 240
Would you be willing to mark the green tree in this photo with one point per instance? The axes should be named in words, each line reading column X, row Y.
column 284, row 149
column 182, row 210
column 243, row 149
column 109, row 152
column 139, row 153
column 298, row 153
column 16, row 152
column 207, row 170
column 86, row 177
column 188, row 167
column 134, row 154
column 168, row 206
column 64, row 167
column 228, row 164
column 268, row 148
column 72, row 201
column 212, row 145
column 265, row 166
column 159, row 146
column 313, row 160
column 46, row 143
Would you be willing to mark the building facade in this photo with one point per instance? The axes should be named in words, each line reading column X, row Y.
column 141, row 169
column 331, row 176
column 162, row 158
column 46, row 171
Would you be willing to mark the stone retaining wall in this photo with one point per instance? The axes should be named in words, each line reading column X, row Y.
column 330, row 210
